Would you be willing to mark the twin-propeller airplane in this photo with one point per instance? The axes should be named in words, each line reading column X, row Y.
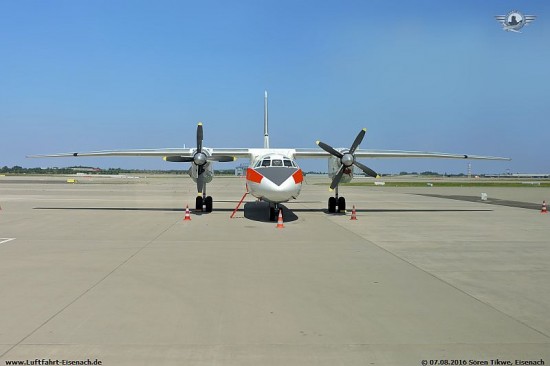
column 273, row 174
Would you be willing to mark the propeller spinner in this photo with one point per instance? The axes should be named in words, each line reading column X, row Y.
column 347, row 158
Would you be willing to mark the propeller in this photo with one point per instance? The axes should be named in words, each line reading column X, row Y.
column 200, row 158
column 347, row 159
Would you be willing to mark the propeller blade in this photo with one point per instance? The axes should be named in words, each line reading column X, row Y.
column 368, row 171
column 357, row 141
column 337, row 178
column 329, row 149
column 178, row 159
column 199, row 137
column 221, row 159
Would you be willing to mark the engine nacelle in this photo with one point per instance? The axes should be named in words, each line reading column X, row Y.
column 208, row 173
column 334, row 165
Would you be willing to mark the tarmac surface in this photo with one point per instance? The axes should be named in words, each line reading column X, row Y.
column 107, row 270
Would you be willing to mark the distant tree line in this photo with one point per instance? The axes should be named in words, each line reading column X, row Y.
column 429, row 173
column 416, row 173
column 16, row 169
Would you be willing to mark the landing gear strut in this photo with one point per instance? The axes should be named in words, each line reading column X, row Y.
column 336, row 204
column 273, row 212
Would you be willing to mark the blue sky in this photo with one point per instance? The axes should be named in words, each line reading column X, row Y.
column 419, row 75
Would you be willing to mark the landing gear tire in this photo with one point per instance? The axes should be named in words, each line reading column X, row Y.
column 272, row 214
column 341, row 204
column 198, row 203
column 208, row 203
column 332, row 205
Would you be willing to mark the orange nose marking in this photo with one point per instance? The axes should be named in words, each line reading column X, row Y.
column 298, row 176
column 253, row 176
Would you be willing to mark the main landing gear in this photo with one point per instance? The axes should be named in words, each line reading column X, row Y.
column 203, row 202
column 336, row 204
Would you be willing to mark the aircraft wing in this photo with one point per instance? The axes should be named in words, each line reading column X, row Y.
column 138, row 152
column 249, row 153
column 187, row 153
column 361, row 153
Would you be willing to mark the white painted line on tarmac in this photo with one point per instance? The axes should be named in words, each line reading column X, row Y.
column 5, row 240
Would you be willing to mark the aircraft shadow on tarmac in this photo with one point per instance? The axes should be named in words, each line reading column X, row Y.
column 259, row 211
column 112, row 208
column 256, row 211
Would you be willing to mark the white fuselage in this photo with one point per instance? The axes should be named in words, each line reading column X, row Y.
column 274, row 176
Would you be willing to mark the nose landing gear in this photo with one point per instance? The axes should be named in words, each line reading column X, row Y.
column 273, row 211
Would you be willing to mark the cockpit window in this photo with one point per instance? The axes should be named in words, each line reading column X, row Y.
column 269, row 161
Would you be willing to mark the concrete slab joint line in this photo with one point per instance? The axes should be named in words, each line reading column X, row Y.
column 447, row 283
column 89, row 289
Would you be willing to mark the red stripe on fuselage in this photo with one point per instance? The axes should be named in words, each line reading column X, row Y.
column 253, row 176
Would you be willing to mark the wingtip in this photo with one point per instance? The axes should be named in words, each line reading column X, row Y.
column 164, row 158
column 317, row 142
column 378, row 176
column 200, row 123
column 364, row 129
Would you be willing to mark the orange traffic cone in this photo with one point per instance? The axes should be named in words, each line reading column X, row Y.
column 280, row 220
column 353, row 214
column 543, row 210
column 187, row 214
